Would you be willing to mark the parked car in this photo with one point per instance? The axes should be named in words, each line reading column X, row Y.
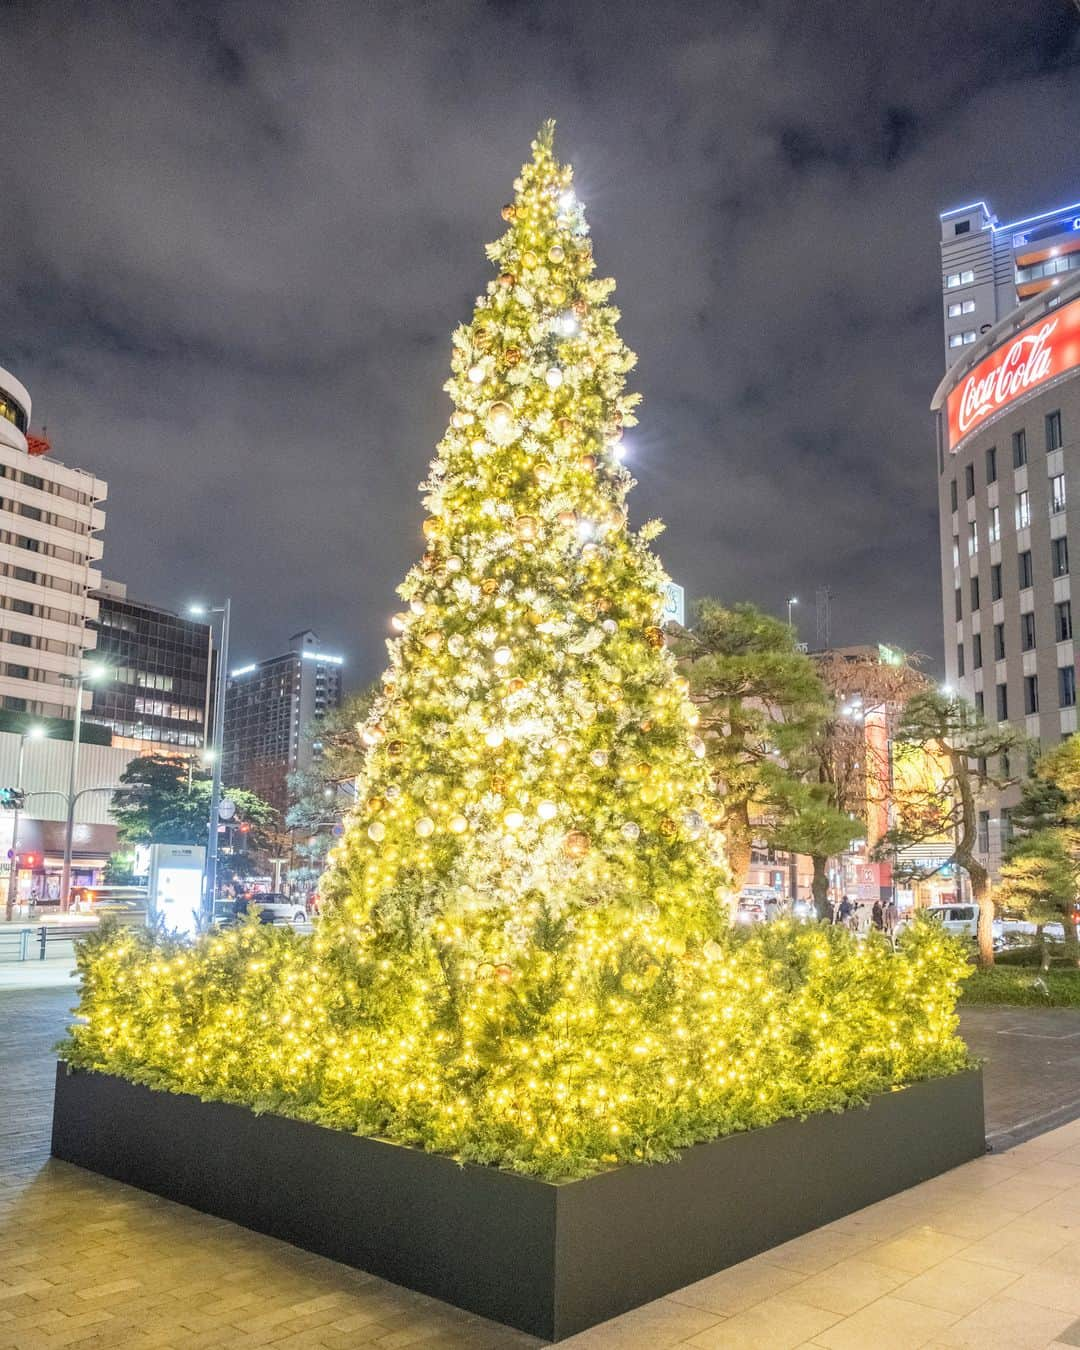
column 274, row 907
column 961, row 920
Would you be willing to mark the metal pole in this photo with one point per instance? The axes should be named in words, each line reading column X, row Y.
column 9, row 908
column 210, row 891
column 69, row 834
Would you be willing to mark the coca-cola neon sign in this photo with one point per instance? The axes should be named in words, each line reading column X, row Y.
column 1046, row 348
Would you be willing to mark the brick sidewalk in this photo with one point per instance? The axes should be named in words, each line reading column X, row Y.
column 987, row 1256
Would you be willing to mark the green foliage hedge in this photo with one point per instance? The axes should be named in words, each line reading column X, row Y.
column 1023, row 986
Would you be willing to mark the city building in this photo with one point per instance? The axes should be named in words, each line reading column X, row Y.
column 50, row 519
column 156, row 698
column 271, row 709
column 1008, row 463
column 46, row 765
column 988, row 268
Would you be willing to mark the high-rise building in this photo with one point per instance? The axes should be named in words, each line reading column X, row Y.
column 157, row 696
column 988, row 268
column 1008, row 461
column 271, row 708
column 50, row 517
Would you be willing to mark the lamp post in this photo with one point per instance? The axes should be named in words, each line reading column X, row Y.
column 215, row 752
column 793, row 600
column 33, row 733
column 84, row 677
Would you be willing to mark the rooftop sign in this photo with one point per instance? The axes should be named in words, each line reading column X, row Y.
column 1045, row 349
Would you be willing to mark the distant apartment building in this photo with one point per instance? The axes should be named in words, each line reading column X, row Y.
column 156, row 697
column 50, row 519
column 270, row 709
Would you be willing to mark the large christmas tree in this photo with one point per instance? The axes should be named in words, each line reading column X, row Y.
column 533, row 755
column 523, row 957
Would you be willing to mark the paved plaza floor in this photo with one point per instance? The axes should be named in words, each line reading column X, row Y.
column 985, row 1256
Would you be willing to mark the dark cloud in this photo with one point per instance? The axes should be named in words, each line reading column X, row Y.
column 238, row 237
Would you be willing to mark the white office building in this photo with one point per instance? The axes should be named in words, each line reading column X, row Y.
column 50, row 521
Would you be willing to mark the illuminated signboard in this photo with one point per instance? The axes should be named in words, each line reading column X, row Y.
column 1046, row 348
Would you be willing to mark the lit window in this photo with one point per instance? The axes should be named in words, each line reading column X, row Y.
column 956, row 340
column 968, row 307
column 1023, row 510
column 970, row 336
column 993, row 532
column 1057, row 493
column 955, row 309
column 973, row 539
column 952, row 280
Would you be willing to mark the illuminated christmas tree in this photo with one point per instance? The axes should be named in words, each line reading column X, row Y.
column 523, row 957
column 533, row 753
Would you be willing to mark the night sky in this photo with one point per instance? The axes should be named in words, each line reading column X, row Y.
column 237, row 238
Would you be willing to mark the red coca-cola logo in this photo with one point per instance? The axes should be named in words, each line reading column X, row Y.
column 1048, row 347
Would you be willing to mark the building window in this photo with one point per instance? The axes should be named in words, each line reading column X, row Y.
column 954, row 310
column 991, row 464
column 969, row 337
column 1027, row 631
column 979, row 702
column 1053, row 431
column 1006, row 826
column 1023, row 510
column 995, row 581
column 976, row 651
column 969, row 480
column 1019, row 442
column 1059, row 557
column 1031, row 694
column 976, row 602
column 999, row 642
column 960, row 660
column 967, row 307
column 958, row 599
column 993, row 532
column 20, row 639
column 1063, row 621
column 954, row 279
column 984, row 832
column 12, row 704
column 973, row 538
column 1003, row 702
column 1067, row 686
column 1024, row 561
column 962, row 227
column 953, row 501
column 956, row 550
column 956, row 340
column 1057, row 493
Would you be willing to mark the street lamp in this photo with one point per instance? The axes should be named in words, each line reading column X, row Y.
column 793, row 600
column 33, row 733
column 215, row 751
column 84, row 677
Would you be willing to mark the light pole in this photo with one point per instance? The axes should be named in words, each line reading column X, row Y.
column 33, row 733
column 793, row 600
column 216, row 750
column 84, row 677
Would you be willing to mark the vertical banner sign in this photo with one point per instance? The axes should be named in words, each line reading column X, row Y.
column 1045, row 349
column 176, row 878
column 674, row 604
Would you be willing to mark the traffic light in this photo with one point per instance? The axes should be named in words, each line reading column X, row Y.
column 12, row 798
column 29, row 860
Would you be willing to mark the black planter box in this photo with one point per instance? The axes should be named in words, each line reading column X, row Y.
column 547, row 1258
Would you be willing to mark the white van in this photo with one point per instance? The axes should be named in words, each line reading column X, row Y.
column 961, row 920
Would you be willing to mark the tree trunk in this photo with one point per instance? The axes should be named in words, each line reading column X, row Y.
column 819, row 887
column 980, row 893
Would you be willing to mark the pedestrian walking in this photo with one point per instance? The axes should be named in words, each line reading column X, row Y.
column 877, row 916
column 772, row 908
column 844, row 911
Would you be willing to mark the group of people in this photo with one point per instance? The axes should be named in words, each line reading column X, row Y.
column 860, row 917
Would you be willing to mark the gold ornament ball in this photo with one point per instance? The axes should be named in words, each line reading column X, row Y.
column 504, row 973
column 458, row 824
column 526, row 528
column 516, row 685
column 561, row 746
column 511, row 356
column 432, row 640
column 580, row 307
column 529, row 258
column 507, row 279
column 556, row 253
column 544, row 473
column 509, row 211
column 376, row 831
column 376, row 804
column 395, row 749
column 425, row 826
column 432, row 527
column 654, row 636
column 667, row 827
column 564, row 426
column 489, row 586
column 577, row 844
column 498, row 783
column 588, row 462
column 567, row 519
